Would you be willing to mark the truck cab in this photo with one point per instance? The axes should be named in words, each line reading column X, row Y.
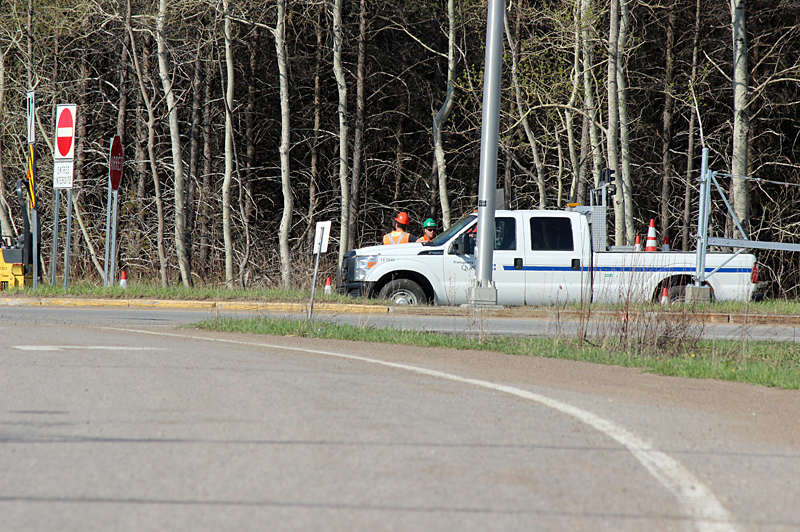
column 540, row 258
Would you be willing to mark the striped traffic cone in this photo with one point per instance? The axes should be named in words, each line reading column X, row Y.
column 651, row 243
column 665, row 247
column 664, row 296
column 637, row 246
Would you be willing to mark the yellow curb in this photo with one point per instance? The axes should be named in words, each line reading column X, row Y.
column 19, row 302
column 170, row 303
column 64, row 302
column 340, row 308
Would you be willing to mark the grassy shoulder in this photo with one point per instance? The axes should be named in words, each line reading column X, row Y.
column 774, row 364
column 140, row 290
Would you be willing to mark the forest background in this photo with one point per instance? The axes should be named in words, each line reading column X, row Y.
column 244, row 123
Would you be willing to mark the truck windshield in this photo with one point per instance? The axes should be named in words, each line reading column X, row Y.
column 447, row 235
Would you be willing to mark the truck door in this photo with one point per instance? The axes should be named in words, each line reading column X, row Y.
column 507, row 270
column 556, row 260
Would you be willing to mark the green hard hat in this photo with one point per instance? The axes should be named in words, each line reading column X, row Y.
column 429, row 223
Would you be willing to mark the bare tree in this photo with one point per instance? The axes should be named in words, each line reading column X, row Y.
column 613, row 121
column 286, row 183
column 358, row 127
column 338, row 72
column 523, row 116
column 227, row 180
column 667, row 118
column 687, row 192
column 142, row 73
column 175, row 137
column 624, row 128
column 444, row 113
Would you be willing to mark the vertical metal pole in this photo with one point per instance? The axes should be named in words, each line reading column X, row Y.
column 34, row 213
column 111, row 275
column 68, row 244
column 318, row 250
column 702, row 222
column 54, row 258
column 108, row 229
column 490, row 131
column 35, row 238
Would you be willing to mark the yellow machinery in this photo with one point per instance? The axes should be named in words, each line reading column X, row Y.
column 16, row 265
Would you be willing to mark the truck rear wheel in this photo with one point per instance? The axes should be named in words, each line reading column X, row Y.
column 403, row 292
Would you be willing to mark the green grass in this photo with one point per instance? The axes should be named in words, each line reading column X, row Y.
column 179, row 292
column 775, row 364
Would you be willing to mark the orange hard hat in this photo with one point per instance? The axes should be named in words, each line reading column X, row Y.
column 402, row 218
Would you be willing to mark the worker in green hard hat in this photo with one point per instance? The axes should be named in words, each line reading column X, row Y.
column 428, row 230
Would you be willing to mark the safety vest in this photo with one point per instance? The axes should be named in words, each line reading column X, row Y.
column 423, row 238
column 396, row 237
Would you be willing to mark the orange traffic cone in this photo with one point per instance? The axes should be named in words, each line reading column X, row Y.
column 637, row 246
column 665, row 247
column 664, row 296
column 651, row 243
column 328, row 288
column 123, row 280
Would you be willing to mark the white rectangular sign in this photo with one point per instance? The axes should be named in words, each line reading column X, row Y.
column 321, row 237
column 62, row 174
column 31, row 108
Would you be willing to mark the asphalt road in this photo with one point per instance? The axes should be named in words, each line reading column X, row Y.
column 121, row 422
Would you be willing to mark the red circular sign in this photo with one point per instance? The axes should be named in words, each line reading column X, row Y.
column 65, row 132
column 115, row 162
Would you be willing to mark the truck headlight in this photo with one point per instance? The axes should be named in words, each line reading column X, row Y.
column 363, row 265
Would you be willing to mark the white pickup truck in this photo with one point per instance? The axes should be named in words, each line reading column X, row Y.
column 540, row 258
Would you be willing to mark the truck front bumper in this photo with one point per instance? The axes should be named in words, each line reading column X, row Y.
column 357, row 288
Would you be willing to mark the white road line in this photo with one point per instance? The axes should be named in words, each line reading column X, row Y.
column 84, row 348
column 695, row 499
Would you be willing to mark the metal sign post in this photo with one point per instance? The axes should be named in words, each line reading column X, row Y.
column 31, row 108
column 321, row 237
column 63, row 156
column 115, row 160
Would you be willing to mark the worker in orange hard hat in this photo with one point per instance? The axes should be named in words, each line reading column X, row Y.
column 400, row 235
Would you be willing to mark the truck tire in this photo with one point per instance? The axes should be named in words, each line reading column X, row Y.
column 403, row 292
column 677, row 294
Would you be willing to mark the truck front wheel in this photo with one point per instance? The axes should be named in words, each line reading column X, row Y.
column 403, row 292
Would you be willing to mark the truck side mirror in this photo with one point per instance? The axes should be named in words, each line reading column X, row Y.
column 463, row 245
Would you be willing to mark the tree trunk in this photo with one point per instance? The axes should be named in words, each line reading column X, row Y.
column 227, row 180
column 175, row 137
column 613, row 122
column 142, row 73
column 687, row 192
column 194, row 152
column 286, row 183
column 523, row 115
column 358, row 129
column 624, row 128
column 5, row 221
column 589, row 90
column 312, row 184
column 246, row 187
column 573, row 98
column 444, row 112
column 666, row 122
column 206, row 257
column 338, row 72
column 741, row 116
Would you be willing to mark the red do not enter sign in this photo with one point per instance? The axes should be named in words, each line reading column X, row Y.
column 65, row 131
column 115, row 162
